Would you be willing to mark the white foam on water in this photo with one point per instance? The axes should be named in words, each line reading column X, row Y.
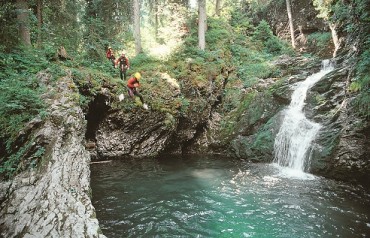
column 286, row 172
column 293, row 143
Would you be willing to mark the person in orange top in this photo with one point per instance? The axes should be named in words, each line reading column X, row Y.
column 132, row 85
column 110, row 55
column 124, row 65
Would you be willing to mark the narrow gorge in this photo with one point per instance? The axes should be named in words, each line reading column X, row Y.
column 208, row 158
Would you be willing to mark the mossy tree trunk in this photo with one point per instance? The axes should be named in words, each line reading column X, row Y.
column 23, row 22
column 218, row 5
column 39, row 22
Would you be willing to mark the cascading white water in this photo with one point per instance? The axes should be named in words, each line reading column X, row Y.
column 293, row 141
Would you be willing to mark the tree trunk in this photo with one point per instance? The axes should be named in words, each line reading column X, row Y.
column 335, row 38
column 156, row 19
column 137, row 34
column 291, row 26
column 23, row 21
column 202, row 24
column 39, row 22
column 218, row 3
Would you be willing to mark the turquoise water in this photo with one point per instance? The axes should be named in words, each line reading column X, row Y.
column 216, row 197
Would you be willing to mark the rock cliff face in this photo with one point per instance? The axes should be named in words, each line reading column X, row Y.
column 147, row 133
column 344, row 140
column 53, row 200
column 139, row 133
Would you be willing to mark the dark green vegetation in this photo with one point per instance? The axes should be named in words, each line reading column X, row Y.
column 361, row 83
column 239, row 53
column 354, row 19
column 20, row 101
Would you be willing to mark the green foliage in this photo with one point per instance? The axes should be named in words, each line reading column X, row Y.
column 22, row 62
column 253, row 70
column 239, row 104
column 61, row 24
column 20, row 91
column 233, row 105
column 241, row 23
column 106, row 23
column 20, row 103
column 19, row 113
column 352, row 14
column 320, row 40
column 18, row 160
column 264, row 140
column 260, row 7
column 8, row 27
column 263, row 32
column 170, row 121
column 264, row 35
column 355, row 18
column 362, row 83
column 184, row 105
column 231, row 99
column 217, row 34
column 143, row 59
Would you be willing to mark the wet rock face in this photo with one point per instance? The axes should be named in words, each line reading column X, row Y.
column 53, row 199
column 344, row 140
column 139, row 133
column 254, row 132
column 148, row 133
column 142, row 133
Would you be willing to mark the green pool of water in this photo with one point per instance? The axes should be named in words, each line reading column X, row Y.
column 216, row 197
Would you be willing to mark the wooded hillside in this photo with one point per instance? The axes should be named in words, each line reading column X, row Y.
column 161, row 36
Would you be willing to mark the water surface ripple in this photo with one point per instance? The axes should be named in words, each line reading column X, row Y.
column 216, row 197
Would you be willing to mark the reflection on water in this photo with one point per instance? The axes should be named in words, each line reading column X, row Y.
column 215, row 197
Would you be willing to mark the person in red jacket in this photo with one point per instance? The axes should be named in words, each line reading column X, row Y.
column 124, row 65
column 110, row 55
column 132, row 85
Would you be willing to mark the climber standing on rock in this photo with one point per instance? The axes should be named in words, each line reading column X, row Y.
column 132, row 85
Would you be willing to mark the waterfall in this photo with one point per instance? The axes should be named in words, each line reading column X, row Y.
column 292, row 145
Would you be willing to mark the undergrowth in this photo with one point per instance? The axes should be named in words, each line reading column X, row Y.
column 20, row 99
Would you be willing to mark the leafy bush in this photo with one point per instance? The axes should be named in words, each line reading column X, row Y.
column 20, row 93
column 217, row 34
column 20, row 103
column 362, row 83
column 8, row 25
column 18, row 161
column 241, row 23
column 319, row 40
column 264, row 34
column 143, row 63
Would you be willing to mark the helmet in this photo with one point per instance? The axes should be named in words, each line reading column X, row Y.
column 137, row 75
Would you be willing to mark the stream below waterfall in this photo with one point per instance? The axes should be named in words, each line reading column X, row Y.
column 204, row 196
